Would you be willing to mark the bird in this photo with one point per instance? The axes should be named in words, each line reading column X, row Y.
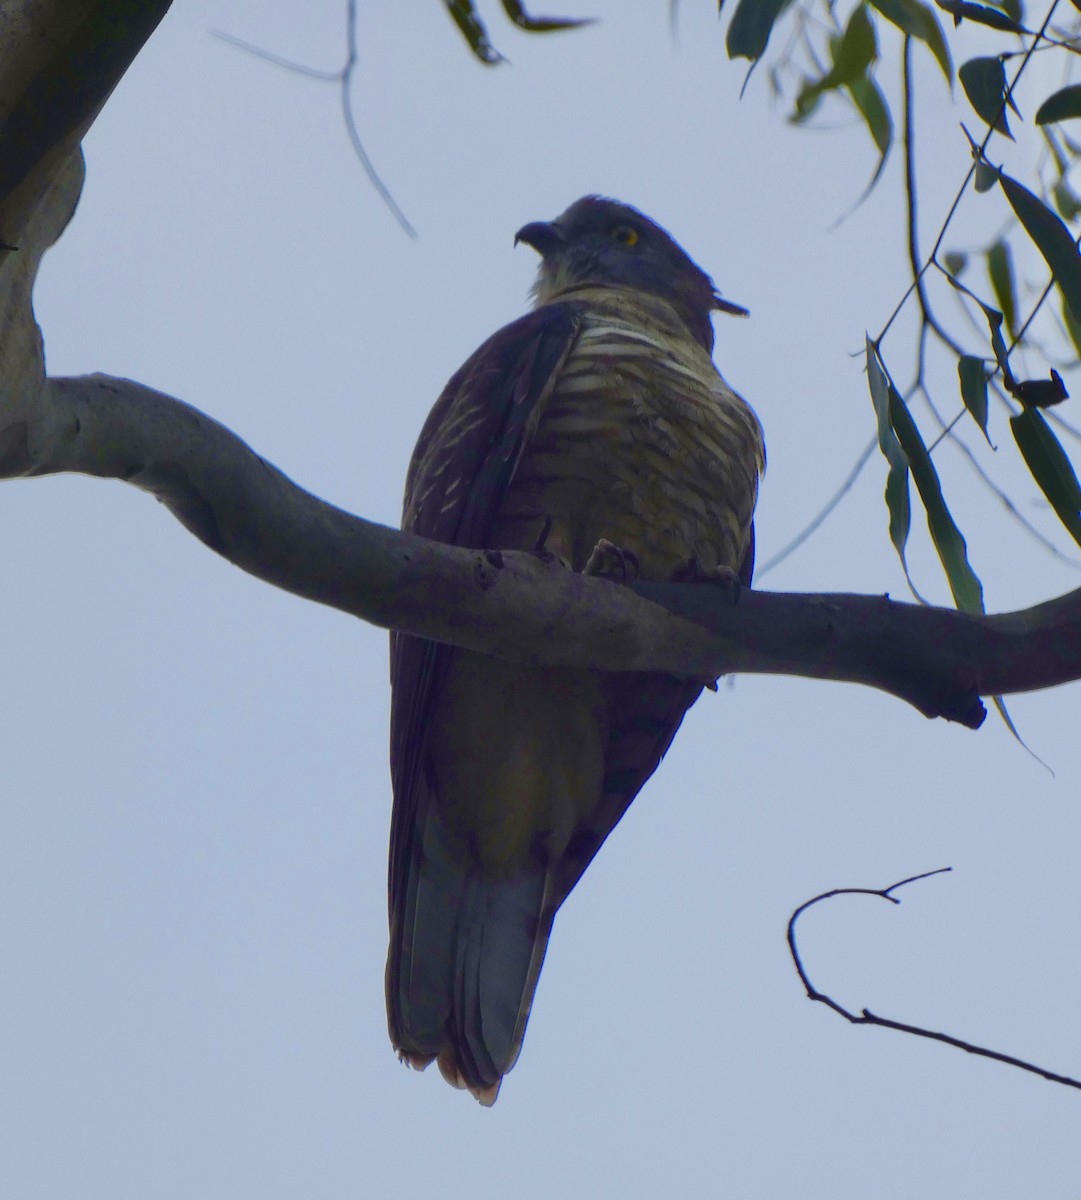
column 596, row 420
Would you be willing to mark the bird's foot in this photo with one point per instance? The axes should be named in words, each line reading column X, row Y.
column 540, row 543
column 724, row 578
column 541, row 550
column 610, row 561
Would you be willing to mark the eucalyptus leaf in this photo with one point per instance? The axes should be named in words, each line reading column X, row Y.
column 986, row 176
column 875, row 112
column 517, row 13
column 1073, row 327
column 750, row 27
column 972, row 373
column 1000, row 269
column 872, row 106
column 464, row 15
column 981, row 15
column 998, row 344
column 1060, row 105
column 1066, row 199
column 1050, row 467
column 853, row 53
column 857, row 49
column 984, row 81
column 919, row 21
column 948, row 540
column 1053, row 240
column 897, row 499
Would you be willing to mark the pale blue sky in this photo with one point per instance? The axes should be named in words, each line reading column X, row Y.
column 192, row 845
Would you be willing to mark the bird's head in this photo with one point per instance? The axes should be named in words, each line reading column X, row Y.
column 602, row 242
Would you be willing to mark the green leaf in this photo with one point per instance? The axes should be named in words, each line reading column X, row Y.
column 948, row 539
column 857, row 49
column 854, row 52
column 1007, row 720
column 1000, row 269
column 986, row 176
column 1066, row 199
column 1062, row 163
column 955, row 261
column 1002, row 355
column 1073, row 327
column 517, row 13
column 875, row 112
column 984, row 81
column 1052, row 238
column 464, row 15
column 872, row 106
column 980, row 14
column 998, row 345
column 918, row 21
column 1050, row 467
column 897, row 501
column 1060, row 105
column 750, row 27
column 973, row 376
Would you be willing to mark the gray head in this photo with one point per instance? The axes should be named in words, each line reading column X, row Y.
column 600, row 241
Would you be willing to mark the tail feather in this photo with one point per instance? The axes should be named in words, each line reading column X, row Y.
column 417, row 983
column 464, row 963
column 518, row 923
column 466, row 949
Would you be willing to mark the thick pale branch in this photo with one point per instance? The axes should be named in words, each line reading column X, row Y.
column 59, row 61
column 515, row 605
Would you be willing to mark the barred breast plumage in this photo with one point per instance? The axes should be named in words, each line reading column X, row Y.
column 641, row 442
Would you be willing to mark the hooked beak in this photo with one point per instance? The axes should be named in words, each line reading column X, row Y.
column 543, row 236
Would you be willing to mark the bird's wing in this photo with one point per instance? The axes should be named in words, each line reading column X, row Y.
column 463, row 464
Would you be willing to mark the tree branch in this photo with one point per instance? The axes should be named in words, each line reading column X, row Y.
column 59, row 61
column 516, row 605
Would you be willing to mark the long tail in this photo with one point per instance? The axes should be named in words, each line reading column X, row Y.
column 464, row 961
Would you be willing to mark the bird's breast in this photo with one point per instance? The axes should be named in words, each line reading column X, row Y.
column 640, row 442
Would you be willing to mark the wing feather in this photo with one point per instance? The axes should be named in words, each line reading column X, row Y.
column 463, row 464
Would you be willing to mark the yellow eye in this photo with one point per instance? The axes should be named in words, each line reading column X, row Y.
column 626, row 235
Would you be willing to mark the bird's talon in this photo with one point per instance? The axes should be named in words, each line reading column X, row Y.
column 609, row 561
column 540, row 547
column 725, row 578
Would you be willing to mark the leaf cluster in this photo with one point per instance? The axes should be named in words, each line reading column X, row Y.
column 827, row 55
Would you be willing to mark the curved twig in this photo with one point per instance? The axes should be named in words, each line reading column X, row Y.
column 866, row 1017
column 823, row 513
column 344, row 78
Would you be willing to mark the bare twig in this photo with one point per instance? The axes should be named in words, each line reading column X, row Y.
column 344, row 78
column 826, row 510
column 866, row 1017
